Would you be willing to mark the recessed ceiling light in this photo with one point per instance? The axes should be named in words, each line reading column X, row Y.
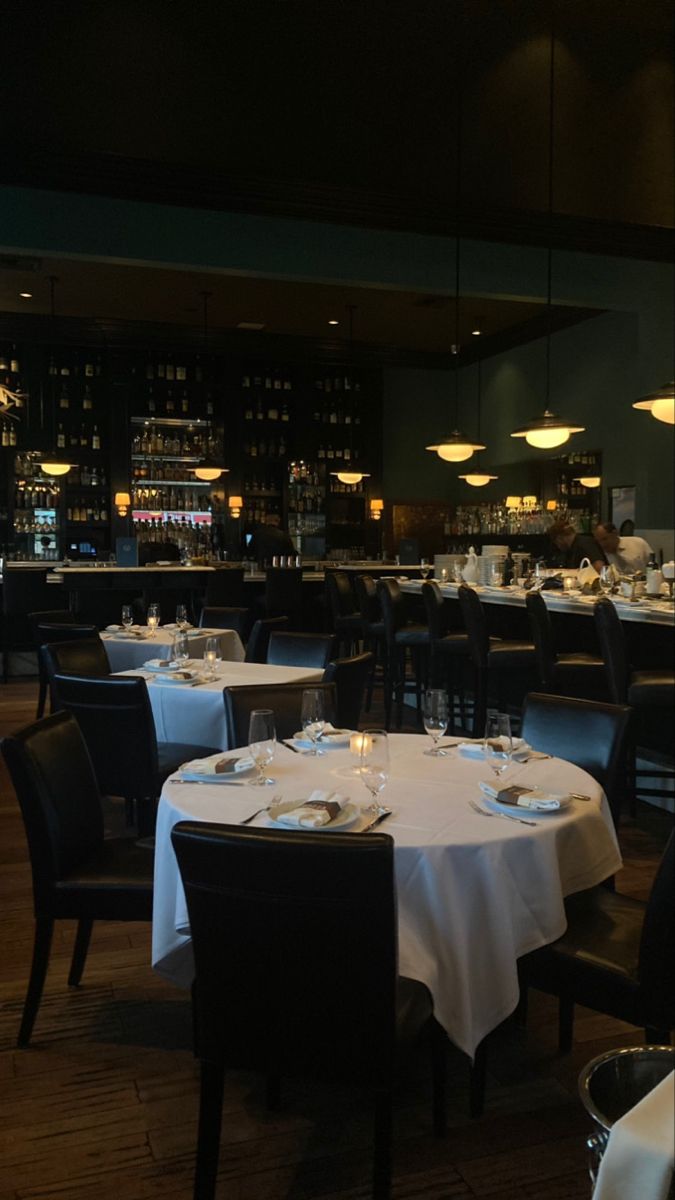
column 333, row 321
column 26, row 295
column 476, row 332
column 255, row 325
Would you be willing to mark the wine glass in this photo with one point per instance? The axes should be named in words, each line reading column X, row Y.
column 313, row 716
column 425, row 568
column 498, row 744
column 182, row 616
column 607, row 579
column 153, row 617
column 374, row 764
column 181, row 653
column 262, row 740
column 212, row 655
column 457, row 572
column 435, row 719
column 497, row 573
column 127, row 616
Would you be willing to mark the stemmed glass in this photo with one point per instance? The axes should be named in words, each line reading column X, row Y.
column 180, row 649
column 498, row 744
column 212, row 655
column 374, row 765
column 181, row 616
column 607, row 579
column 313, row 716
column 425, row 568
column 153, row 618
column 262, row 741
column 435, row 719
column 127, row 616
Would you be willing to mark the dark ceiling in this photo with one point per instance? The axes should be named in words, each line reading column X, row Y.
column 348, row 111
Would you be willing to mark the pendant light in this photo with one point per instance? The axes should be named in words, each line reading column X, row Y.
column 661, row 403
column 208, row 471
column 549, row 430
column 345, row 475
column 52, row 462
column 456, row 447
column 478, row 478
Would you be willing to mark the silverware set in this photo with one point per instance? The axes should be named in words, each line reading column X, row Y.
column 483, row 812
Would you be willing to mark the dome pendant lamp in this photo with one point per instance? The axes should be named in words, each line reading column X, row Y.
column 549, row 430
column 52, row 462
column 348, row 474
column 661, row 403
column 478, row 477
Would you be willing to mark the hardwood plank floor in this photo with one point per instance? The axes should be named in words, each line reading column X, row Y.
column 104, row 1102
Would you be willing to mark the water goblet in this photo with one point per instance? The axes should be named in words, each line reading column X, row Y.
column 435, row 719
column 127, row 616
column 212, row 656
column 498, row 743
column 182, row 616
column 607, row 579
column 375, row 765
column 262, row 740
column 425, row 568
column 153, row 618
column 444, row 575
column 181, row 653
column 313, row 716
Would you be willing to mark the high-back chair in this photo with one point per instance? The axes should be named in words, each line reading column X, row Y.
column 77, row 873
column 568, row 674
column 115, row 717
column 401, row 637
column 285, row 700
column 343, row 611
column 219, row 617
column 256, row 647
column 617, row 956
column 350, row 676
column 225, row 587
column 283, row 594
column 505, row 668
column 82, row 654
column 593, row 735
column 272, row 915
column 53, row 619
column 368, row 602
column 449, row 648
column 300, row 649
column 24, row 590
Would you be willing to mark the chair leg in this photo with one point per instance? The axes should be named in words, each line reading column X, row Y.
column 42, row 700
column 382, row 1149
column 208, row 1137
column 80, row 948
column 477, row 1074
column 565, row 1024
column 44, row 928
column 438, row 1075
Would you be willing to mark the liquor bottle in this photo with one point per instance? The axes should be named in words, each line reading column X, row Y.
column 170, row 404
column 87, row 402
column 209, row 404
column 89, row 369
column 170, row 371
column 181, row 373
column 96, row 439
column 152, row 404
column 52, row 368
column 14, row 362
column 285, row 415
column 149, row 369
column 12, row 434
column 184, row 400
column 5, row 434
column 84, row 440
column 61, row 438
column 64, row 398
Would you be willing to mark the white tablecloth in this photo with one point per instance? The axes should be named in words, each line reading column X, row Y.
column 126, row 653
column 638, row 1161
column 197, row 714
column 473, row 894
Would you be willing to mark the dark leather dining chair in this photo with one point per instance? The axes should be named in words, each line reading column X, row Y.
column 256, row 647
column 569, row 674
column 24, row 590
column 225, row 587
column 218, row 617
column 617, row 956
column 272, row 917
column 78, row 874
column 54, row 618
column 449, row 648
column 505, row 668
column 593, row 735
column 402, row 637
column 372, row 624
column 343, row 611
column 85, row 654
column 300, row 649
column 285, row 700
column 115, row 716
column 283, row 594
column 350, row 676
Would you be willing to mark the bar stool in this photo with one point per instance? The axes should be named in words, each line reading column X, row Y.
column 494, row 661
column 449, row 649
column 345, row 618
column 568, row 674
column 283, row 594
column 373, row 630
column 651, row 694
column 401, row 637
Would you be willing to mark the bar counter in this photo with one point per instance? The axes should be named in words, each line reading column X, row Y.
column 653, row 612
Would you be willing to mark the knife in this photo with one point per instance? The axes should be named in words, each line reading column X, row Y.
column 376, row 821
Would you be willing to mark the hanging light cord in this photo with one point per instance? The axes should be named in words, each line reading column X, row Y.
column 551, row 91
column 458, row 200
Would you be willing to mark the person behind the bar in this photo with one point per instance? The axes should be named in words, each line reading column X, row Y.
column 573, row 546
column 270, row 540
column 627, row 554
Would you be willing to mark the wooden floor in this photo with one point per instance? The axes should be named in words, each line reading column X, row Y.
column 104, row 1103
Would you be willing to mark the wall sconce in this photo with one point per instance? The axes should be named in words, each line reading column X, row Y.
column 235, row 505
column 551, row 505
column 513, row 501
column 376, row 509
column 122, row 503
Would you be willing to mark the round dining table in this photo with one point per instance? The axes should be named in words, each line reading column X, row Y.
column 474, row 894
column 129, row 649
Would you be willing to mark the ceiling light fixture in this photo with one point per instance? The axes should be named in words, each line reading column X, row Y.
column 52, row 462
column 26, row 295
column 661, row 403
column 333, row 321
column 549, row 430
column 476, row 332
column 253, row 326
column 589, row 481
column 348, row 475
column 478, row 478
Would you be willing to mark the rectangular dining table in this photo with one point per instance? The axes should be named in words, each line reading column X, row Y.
column 126, row 651
column 186, row 713
column 473, row 894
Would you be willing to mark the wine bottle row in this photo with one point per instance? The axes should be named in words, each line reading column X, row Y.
column 174, row 404
column 85, row 509
column 176, row 499
column 27, row 496
column 173, row 444
column 86, row 438
column 266, row 448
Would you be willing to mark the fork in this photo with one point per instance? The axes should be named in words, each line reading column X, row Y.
column 506, row 816
column 273, row 801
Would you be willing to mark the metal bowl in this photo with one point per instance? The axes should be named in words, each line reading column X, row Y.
column 615, row 1082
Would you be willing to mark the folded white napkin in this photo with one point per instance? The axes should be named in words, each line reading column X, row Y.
column 477, row 749
column 537, row 799
column 123, row 629
column 216, row 766
column 174, row 628
column 180, row 675
column 319, row 809
column 161, row 664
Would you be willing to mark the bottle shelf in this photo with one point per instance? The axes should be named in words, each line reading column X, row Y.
column 181, row 483
column 182, row 458
column 172, row 422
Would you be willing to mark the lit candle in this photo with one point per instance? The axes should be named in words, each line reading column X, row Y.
column 359, row 742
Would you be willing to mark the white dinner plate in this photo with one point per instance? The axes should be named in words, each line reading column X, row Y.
column 131, row 635
column 176, row 680
column 519, row 810
column 329, row 741
column 226, row 777
column 349, row 816
column 169, row 669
